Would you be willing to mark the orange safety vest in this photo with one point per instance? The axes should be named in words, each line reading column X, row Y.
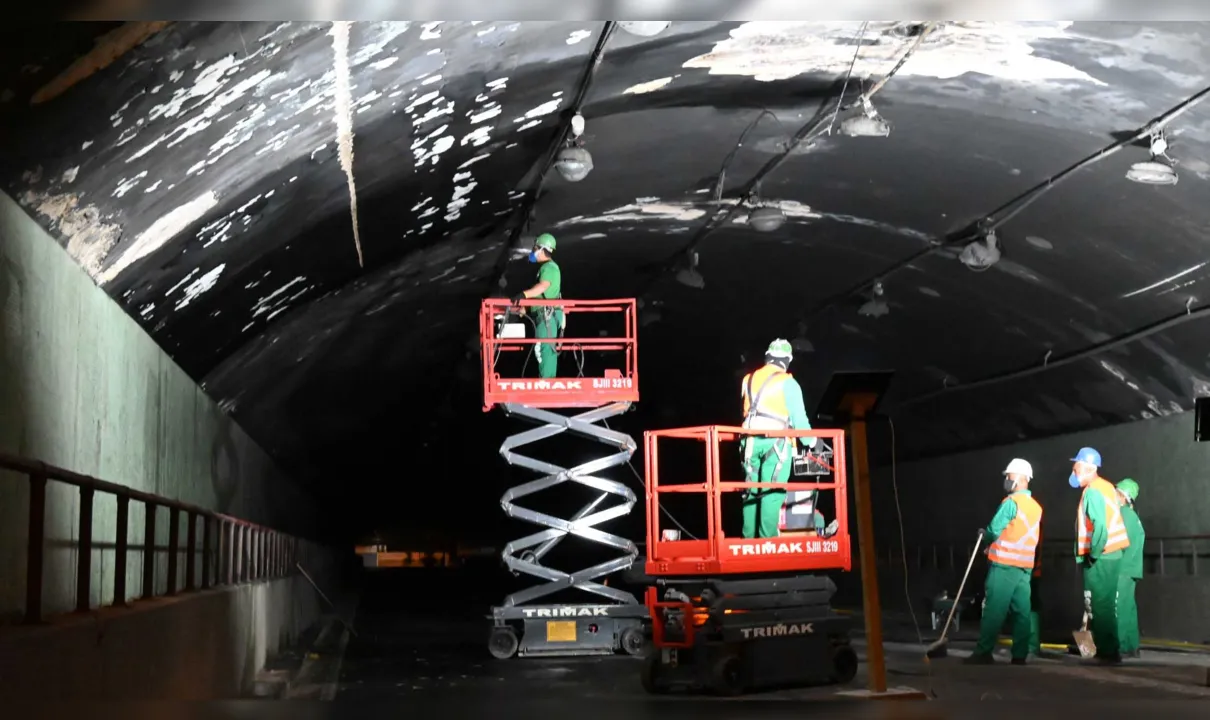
column 764, row 400
column 1116, row 527
column 1018, row 544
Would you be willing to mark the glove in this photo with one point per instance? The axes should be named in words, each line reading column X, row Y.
column 516, row 299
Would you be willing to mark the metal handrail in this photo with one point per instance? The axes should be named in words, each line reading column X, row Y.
column 233, row 551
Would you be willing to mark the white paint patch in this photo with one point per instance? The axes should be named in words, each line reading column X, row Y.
column 181, row 283
column 645, row 200
column 578, row 36
column 435, row 112
column 486, row 114
column 272, row 300
column 775, row 50
column 1038, row 242
column 529, row 125
column 421, row 204
column 431, row 80
column 485, row 31
column 545, row 108
column 650, row 86
column 344, row 123
column 930, row 292
column 594, row 236
column 1166, row 280
column 69, row 175
column 477, row 137
column 648, row 211
column 442, row 144
column 152, row 187
column 146, row 310
column 87, row 144
column 474, row 160
column 125, row 186
column 384, row 63
column 165, row 228
column 459, row 177
column 199, row 286
column 430, row 30
column 497, row 84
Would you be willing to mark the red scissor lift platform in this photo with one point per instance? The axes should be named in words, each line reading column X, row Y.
column 616, row 618
column 733, row 614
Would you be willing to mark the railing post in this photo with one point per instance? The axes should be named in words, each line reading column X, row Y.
column 149, row 550
column 241, row 571
column 1161, row 556
column 229, row 552
column 33, row 554
column 1193, row 554
column 191, row 552
column 207, row 554
column 84, row 552
column 174, row 545
column 120, row 551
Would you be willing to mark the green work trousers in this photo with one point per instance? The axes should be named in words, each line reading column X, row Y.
column 1128, row 614
column 1007, row 596
column 766, row 460
column 546, row 326
column 1101, row 604
column 1035, row 620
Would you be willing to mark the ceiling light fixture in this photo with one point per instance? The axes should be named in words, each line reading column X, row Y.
column 982, row 253
column 689, row 275
column 766, row 218
column 644, row 28
column 574, row 162
column 1158, row 170
column 876, row 306
column 868, row 124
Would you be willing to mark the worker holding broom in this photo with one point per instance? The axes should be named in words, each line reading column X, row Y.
column 1013, row 533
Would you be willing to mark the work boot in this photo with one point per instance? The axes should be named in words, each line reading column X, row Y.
column 1133, row 654
column 831, row 529
column 1018, row 661
column 979, row 659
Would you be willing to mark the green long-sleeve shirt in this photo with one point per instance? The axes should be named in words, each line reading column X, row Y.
column 1094, row 510
column 1004, row 515
column 797, row 407
column 1132, row 556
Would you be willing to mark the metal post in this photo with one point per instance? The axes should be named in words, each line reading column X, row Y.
column 207, row 551
column 84, row 553
column 149, row 551
column 33, row 556
column 174, row 546
column 1161, row 556
column 190, row 553
column 120, row 550
column 875, row 660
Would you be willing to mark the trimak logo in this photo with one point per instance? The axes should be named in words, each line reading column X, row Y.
column 782, row 630
column 508, row 385
column 566, row 611
column 785, row 548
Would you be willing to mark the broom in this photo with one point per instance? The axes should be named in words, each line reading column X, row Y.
column 940, row 648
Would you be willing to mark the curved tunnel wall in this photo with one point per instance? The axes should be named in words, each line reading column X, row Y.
column 82, row 386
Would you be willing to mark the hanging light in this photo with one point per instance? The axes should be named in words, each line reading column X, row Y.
column 1158, row 170
column 801, row 343
column 573, row 163
column 689, row 275
column 982, row 253
column 868, row 124
column 644, row 28
column 876, row 306
column 766, row 218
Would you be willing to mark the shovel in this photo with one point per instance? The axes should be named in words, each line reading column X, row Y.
column 1084, row 641
column 940, row 648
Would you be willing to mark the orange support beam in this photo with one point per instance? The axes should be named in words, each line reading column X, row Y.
column 857, row 407
column 109, row 47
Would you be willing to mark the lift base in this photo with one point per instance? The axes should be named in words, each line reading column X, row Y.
column 758, row 634
column 568, row 630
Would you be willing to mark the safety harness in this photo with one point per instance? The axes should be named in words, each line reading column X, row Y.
column 779, row 445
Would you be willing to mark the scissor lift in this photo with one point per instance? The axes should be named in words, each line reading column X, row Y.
column 616, row 620
column 731, row 614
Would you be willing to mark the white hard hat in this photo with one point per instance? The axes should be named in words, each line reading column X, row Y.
column 1020, row 467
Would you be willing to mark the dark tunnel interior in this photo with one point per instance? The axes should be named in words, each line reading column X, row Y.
column 306, row 217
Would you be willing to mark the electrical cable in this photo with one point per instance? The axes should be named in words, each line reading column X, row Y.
column 1010, row 209
column 1047, row 364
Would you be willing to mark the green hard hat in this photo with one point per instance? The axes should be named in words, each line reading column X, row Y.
column 1129, row 488
column 780, row 348
column 546, row 241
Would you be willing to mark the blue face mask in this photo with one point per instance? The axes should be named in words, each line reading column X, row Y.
column 533, row 257
column 1073, row 480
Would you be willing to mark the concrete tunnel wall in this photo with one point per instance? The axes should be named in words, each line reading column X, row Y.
column 83, row 387
column 945, row 499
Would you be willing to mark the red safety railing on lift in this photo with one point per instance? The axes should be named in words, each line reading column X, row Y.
column 232, row 551
column 619, row 384
column 718, row 554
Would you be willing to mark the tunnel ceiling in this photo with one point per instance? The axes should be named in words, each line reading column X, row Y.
column 198, row 180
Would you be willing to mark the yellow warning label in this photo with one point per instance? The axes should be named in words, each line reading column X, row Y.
column 561, row 631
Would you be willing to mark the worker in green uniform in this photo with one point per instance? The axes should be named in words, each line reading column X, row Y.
column 1013, row 537
column 549, row 321
column 1100, row 539
column 1132, row 569
column 772, row 401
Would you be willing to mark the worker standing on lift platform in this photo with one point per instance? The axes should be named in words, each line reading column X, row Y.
column 548, row 321
column 1132, row 569
column 772, row 401
column 1013, row 534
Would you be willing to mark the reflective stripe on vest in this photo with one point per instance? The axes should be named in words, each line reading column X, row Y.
column 1115, row 527
column 766, row 408
column 1018, row 544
